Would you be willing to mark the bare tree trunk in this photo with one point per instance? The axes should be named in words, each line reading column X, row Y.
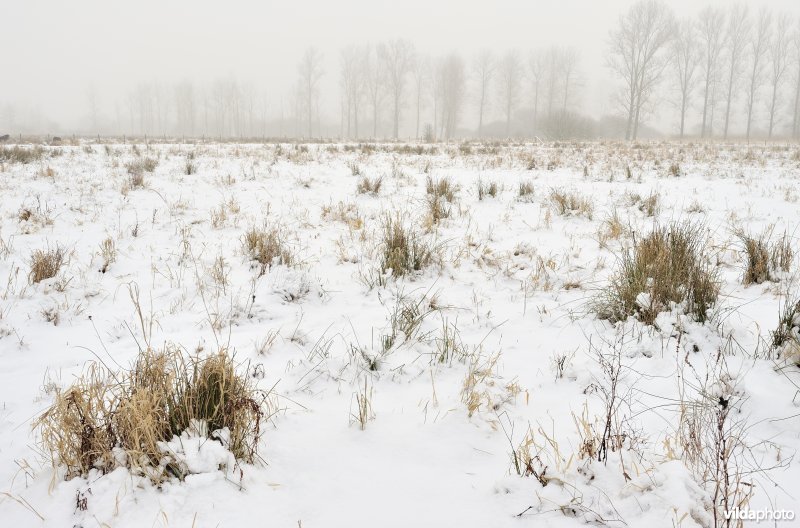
column 796, row 122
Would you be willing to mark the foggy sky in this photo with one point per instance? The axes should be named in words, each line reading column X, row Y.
column 54, row 52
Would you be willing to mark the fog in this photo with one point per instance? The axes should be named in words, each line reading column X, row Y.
column 75, row 67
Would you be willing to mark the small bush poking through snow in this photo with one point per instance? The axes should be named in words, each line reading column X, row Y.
column 266, row 247
column 46, row 263
column 666, row 267
column 130, row 418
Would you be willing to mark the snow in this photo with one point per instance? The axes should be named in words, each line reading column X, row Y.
column 515, row 279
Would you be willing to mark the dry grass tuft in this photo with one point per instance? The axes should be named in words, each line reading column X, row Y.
column 110, row 419
column 266, row 246
column 666, row 267
column 367, row 185
column 443, row 188
column 403, row 250
column 765, row 258
column 566, row 204
column 45, row 263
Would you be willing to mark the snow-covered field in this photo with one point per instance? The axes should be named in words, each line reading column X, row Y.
column 509, row 356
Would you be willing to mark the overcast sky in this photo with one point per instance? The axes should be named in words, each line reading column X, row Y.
column 53, row 50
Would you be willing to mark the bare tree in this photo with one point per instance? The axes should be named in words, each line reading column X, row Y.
column 452, row 77
column 351, row 85
column 309, row 74
column 509, row 77
column 397, row 57
column 711, row 25
column 483, row 68
column 91, row 101
column 568, row 68
column 758, row 47
column 421, row 70
column 537, row 68
column 796, row 121
column 637, row 55
column 685, row 60
column 374, row 80
column 779, row 49
column 736, row 33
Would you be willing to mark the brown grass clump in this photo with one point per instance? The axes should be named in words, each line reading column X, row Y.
column 786, row 337
column 112, row 419
column 17, row 154
column 367, row 185
column 266, row 246
column 441, row 188
column 666, row 267
column 403, row 250
column 45, row 263
column 765, row 258
column 566, row 204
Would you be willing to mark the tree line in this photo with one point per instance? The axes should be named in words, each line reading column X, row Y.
column 730, row 71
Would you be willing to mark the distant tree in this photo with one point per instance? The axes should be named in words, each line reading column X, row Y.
column 637, row 55
column 736, row 33
column 374, row 76
column 310, row 72
column 421, row 71
column 796, row 121
column 537, row 69
column 452, row 77
column 779, row 49
column 397, row 57
column 685, row 61
column 758, row 47
column 483, row 68
column 711, row 26
column 509, row 75
column 351, row 59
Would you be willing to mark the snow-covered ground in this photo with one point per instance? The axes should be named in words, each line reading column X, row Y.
column 511, row 291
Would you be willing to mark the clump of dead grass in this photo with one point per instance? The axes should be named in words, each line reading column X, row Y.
column 667, row 267
column 765, row 258
column 45, row 263
column 266, row 246
column 567, row 203
column 403, row 249
column 109, row 419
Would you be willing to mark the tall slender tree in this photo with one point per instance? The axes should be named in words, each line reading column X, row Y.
column 483, row 67
column 685, row 60
column 710, row 26
column 758, row 47
column 637, row 55
column 779, row 49
column 737, row 30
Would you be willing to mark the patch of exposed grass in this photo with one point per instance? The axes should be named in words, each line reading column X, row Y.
column 164, row 394
column 667, row 267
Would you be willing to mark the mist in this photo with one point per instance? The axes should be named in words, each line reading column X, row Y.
column 202, row 68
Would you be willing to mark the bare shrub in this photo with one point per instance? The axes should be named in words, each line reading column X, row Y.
column 666, row 267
